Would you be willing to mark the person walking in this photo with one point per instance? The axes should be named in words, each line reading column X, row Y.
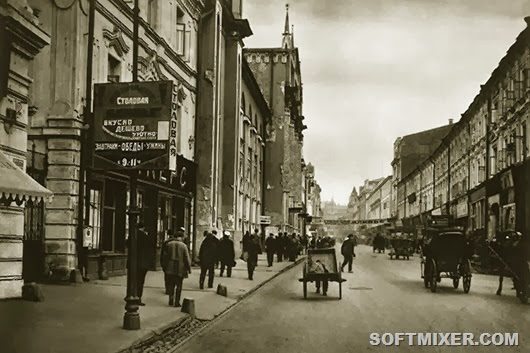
column 175, row 261
column 252, row 247
column 270, row 248
column 227, row 254
column 169, row 237
column 348, row 252
column 145, row 260
column 279, row 247
column 208, row 255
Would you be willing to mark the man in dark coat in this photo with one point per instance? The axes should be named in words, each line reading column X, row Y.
column 208, row 255
column 226, row 254
column 270, row 248
column 145, row 260
column 252, row 247
column 279, row 247
column 348, row 252
column 176, row 263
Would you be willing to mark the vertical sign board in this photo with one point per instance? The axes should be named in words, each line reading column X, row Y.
column 133, row 125
column 173, row 129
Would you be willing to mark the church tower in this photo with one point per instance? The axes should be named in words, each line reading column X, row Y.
column 287, row 40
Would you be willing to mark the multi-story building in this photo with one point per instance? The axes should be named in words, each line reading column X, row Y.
column 21, row 39
column 277, row 71
column 61, row 125
column 480, row 170
column 379, row 200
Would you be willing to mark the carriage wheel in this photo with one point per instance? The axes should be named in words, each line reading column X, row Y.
column 305, row 289
column 456, row 282
column 523, row 295
column 466, row 275
column 433, row 276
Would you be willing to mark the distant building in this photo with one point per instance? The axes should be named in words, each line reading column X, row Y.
column 277, row 71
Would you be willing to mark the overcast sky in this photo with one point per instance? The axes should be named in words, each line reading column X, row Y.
column 374, row 70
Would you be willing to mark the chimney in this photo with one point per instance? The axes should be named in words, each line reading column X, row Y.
column 450, row 121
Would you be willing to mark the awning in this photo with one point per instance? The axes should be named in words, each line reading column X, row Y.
column 15, row 185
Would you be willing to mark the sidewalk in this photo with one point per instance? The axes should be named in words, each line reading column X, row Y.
column 87, row 318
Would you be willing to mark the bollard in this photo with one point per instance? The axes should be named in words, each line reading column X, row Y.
column 188, row 306
column 221, row 290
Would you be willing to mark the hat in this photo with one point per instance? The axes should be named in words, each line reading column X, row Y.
column 350, row 235
column 226, row 233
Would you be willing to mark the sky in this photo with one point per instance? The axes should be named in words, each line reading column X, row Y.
column 374, row 70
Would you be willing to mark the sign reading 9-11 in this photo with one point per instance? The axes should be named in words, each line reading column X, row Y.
column 135, row 125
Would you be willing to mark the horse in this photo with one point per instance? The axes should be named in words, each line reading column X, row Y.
column 510, row 250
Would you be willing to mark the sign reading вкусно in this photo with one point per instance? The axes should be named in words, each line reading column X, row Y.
column 135, row 125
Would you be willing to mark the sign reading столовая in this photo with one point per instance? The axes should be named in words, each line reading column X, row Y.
column 135, row 125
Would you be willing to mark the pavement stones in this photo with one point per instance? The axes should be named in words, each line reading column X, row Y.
column 87, row 317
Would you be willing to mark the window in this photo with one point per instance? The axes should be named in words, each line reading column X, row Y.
column 113, row 222
column 152, row 8
column 113, row 69
column 94, row 218
column 183, row 36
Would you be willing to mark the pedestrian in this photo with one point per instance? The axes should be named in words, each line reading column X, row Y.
column 292, row 247
column 321, row 269
column 257, row 234
column 169, row 237
column 348, row 252
column 252, row 248
column 279, row 247
column 145, row 260
column 208, row 256
column 218, row 237
column 285, row 245
column 270, row 248
column 227, row 254
column 176, row 263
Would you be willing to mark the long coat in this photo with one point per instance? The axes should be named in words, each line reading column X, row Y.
column 227, row 253
column 348, row 247
column 270, row 245
column 209, row 251
column 175, row 258
column 252, row 247
column 146, row 251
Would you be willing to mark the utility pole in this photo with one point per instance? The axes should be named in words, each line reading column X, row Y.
column 131, row 318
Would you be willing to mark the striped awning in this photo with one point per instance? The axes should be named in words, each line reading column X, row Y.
column 17, row 186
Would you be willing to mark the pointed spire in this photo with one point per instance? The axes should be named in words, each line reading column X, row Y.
column 292, row 35
column 286, row 30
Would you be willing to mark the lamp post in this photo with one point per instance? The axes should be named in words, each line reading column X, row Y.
column 131, row 318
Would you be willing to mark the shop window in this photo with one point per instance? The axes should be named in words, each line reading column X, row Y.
column 94, row 217
column 114, row 211
column 113, row 69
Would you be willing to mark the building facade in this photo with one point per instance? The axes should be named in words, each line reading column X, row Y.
column 62, row 125
column 22, row 38
column 277, row 71
column 480, row 171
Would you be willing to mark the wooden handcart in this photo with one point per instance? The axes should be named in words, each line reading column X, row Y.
column 321, row 265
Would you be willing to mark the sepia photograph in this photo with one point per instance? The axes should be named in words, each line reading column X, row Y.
column 262, row 176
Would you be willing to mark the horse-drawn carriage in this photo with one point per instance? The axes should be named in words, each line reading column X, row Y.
column 512, row 253
column 446, row 254
column 321, row 267
column 403, row 247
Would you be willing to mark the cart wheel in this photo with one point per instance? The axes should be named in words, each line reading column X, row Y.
column 524, row 291
column 433, row 276
column 456, row 281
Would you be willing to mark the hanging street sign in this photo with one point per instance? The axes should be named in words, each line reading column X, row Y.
column 135, row 125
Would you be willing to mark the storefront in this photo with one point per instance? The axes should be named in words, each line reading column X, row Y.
column 477, row 199
column 461, row 212
column 165, row 200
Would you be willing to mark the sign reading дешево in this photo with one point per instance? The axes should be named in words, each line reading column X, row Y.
column 135, row 125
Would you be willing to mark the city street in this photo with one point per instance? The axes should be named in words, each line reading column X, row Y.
column 382, row 295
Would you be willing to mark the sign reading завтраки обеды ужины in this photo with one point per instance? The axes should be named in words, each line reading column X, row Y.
column 135, row 125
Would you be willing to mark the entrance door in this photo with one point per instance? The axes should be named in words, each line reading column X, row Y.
column 33, row 240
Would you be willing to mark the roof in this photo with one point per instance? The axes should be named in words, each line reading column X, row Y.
column 15, row 185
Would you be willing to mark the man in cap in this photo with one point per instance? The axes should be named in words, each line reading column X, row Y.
column 348, row 252
column 208, row 256
column 176, row 263
column 227, row 254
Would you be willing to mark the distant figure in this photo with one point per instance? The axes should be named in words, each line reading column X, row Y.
column 227, row 254
column 252, row 247
column 208, row 256
column 176, row 263
column 270, row 248
column 145, row 260
column 348, row 252
column 279, row 247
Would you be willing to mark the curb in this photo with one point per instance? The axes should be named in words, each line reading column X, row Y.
column 159, row 331
column 232, row 306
